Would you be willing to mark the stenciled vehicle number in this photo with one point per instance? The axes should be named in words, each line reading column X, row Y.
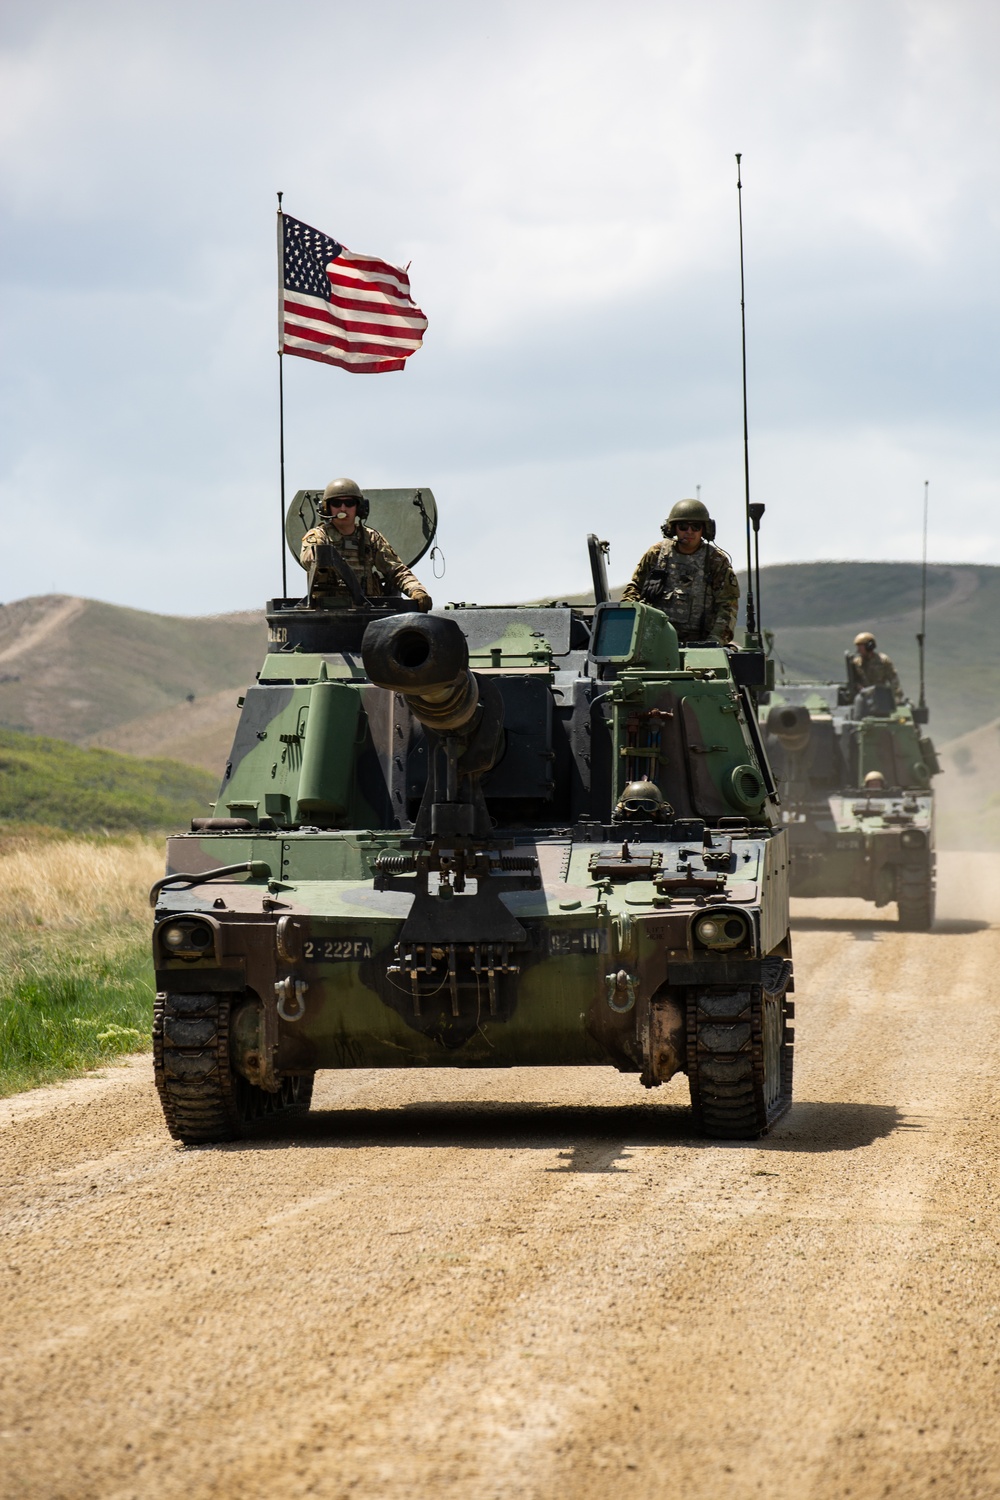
column 332, row 950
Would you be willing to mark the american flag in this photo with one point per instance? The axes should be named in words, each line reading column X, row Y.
column 344, row 309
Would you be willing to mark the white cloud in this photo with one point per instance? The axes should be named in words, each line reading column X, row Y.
column 562, row 178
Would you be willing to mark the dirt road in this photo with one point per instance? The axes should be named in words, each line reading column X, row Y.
column 536, row 1284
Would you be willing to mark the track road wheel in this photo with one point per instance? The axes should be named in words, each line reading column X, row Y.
column 915, row 899
column 204, row 1099
column 740, row 1055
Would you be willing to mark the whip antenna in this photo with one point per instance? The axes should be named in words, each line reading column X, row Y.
column 923, row 608
column 752, row 521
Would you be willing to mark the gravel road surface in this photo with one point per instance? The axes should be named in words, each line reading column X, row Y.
column 536, row 1283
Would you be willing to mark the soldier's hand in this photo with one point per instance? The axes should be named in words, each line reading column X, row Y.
column 424, row 602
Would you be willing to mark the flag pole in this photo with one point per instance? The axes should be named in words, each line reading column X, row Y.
column 281, row 389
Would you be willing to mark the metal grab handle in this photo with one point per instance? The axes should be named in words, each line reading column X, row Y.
column 256, row 867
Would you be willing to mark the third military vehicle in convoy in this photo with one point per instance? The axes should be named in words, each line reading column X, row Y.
column 488, row 836
column 854, row 771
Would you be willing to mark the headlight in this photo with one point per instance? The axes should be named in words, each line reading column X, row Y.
column 186, row 939
column 913, row 838
column 721, row 930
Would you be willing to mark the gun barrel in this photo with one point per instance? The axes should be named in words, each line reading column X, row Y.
column 426, row 658
column 790, row 725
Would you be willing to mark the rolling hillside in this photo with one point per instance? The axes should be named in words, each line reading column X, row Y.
column 46, row 781
column 198, row 731
column 79, row 670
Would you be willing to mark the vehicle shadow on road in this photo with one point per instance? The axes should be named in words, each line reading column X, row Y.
column 950, row 926
column 588, row 1138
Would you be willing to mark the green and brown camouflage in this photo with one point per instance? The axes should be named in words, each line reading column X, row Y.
column 415, row 861
column 855, row 770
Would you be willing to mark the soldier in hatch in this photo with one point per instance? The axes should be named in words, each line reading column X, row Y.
column 688, row 577
column 377, row 567
column 872, row 668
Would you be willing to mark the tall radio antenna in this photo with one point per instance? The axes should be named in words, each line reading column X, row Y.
column 923, row 605
column 753, row 512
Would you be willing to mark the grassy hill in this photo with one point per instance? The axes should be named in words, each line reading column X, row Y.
column 74, row 668
column 198, row 731
column 49, row 782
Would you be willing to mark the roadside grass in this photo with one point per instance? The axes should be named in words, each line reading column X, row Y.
column 52, row 782
column 76, row 981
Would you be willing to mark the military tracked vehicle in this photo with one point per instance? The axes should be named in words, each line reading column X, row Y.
column 429, row 849
column 854, row 769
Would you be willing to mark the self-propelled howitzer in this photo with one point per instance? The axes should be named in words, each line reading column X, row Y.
column 855, row 770
column 422, row 856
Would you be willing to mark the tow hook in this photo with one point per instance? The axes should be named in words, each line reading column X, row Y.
column 621, row 991
column 290, row 994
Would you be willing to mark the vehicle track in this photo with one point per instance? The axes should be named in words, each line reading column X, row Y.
column 536, row 1283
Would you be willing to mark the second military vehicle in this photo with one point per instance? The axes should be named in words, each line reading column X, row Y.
column 482, row 837
column 854, row 769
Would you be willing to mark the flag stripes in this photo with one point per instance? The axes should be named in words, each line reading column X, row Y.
column 341, row 308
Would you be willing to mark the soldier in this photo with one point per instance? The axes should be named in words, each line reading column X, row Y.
column 377, row 567
column 872, row 668
column 688, row 577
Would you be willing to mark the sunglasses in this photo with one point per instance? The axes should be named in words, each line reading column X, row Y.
column 688, row 526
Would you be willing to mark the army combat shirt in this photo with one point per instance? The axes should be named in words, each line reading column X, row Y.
column 697, row 592
column 378, row 569
column 876, row 670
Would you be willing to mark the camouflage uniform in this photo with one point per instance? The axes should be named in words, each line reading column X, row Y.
column 697, row 592
column 875, row 669
column 378, row 569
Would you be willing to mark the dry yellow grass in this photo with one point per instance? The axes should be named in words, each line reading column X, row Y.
column 77, row 882
column 75, row 965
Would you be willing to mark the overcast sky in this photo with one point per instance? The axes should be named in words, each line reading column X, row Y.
column 562, row 178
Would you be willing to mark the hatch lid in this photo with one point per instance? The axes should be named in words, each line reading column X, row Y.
column 407, row 518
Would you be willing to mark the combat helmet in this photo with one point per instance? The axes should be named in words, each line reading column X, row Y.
column 643, row 799
column 341, row 490
column 690, row 510
column 864, row 638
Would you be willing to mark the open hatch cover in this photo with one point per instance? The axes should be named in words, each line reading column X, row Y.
column 406, row 518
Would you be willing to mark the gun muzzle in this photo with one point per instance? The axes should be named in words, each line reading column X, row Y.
column 790, row 725
column 426, row 658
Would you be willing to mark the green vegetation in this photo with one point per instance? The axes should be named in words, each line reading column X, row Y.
column 68, row 1005
column 76, row 982
column 59, row 785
